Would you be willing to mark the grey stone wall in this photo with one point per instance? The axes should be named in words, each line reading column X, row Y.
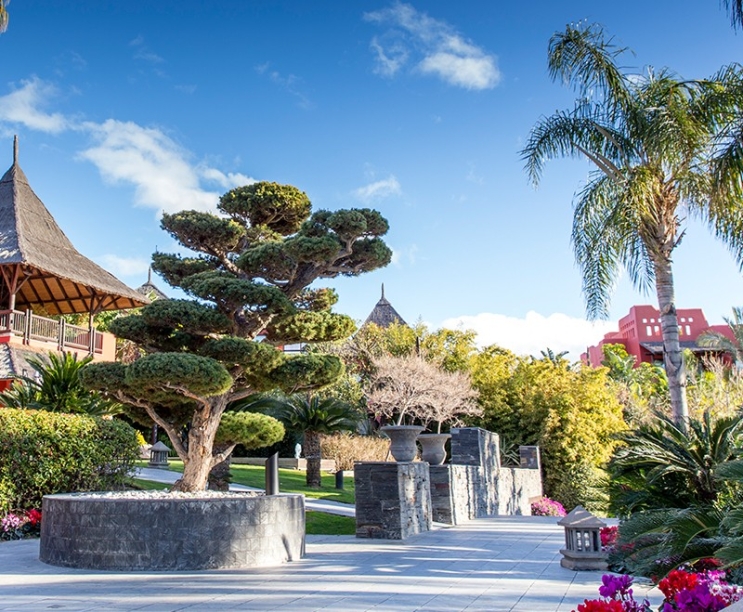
column 515, row 490
column 493, row 490
column 453, row 495
column 108, row 533
column 393, row 499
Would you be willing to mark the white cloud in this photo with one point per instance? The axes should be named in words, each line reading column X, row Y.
column 408, row 255
column 378, row 190
column 390, row 60
column 534, row 333
column 438, row 49
column 23, row 106
column 151, row 162
column 290, row 83
column 125, row 266
column 143, row 52
column 161, row 172
column 227, row 180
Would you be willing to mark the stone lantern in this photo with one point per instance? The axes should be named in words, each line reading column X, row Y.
column 582, row 541
column 159, row 455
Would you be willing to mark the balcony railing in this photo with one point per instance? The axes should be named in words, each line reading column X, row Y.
column 29, row 326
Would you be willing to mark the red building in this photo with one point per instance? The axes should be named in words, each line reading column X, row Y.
column 639, row 332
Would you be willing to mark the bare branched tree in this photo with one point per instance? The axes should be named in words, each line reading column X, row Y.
column 412, row 387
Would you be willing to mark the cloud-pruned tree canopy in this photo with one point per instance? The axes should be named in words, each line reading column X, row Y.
column 247, row 281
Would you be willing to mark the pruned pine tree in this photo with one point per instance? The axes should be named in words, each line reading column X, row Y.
column 648, row 137
column 249, row 281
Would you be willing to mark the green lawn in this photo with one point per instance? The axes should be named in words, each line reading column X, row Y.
column 290, row 481
column 322, row 523
column 148, row 485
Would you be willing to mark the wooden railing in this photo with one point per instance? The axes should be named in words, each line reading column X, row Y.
column 65, row 335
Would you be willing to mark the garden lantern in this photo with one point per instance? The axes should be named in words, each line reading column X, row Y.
column 159, row 455
column 582, row 541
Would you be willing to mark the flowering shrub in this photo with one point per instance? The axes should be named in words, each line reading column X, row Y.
column 19, row 526
column 545, row 506
column 609, row 537
column 684, row 591
column 617, row 596
column 704, row 591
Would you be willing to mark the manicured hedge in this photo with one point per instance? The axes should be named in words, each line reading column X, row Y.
column 46, row 452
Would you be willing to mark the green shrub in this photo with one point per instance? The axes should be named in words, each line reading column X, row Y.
column 45, row 452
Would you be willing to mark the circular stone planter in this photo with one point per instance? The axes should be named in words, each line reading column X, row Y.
column 171, row 532
column 402, row 440
column 432, row 446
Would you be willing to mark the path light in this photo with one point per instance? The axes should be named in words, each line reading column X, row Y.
column 582, row 541
column 159, row 455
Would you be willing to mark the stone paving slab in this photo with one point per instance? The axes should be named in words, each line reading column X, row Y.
column 505, row 564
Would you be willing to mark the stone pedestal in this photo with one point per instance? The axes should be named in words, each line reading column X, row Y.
column 393, row 499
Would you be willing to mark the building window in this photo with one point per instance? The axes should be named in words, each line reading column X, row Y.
column 649, row 330
column 688, row 331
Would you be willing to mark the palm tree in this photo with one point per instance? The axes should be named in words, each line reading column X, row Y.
column 4, row 15
column 735, row 9
column 647, row 137
column 719, row 341
column 56, row 387
column 315, row 416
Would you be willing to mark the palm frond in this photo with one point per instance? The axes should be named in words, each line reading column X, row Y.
column 583, row 58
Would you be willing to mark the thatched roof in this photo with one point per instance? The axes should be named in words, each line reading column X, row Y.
column 383, row 314
column 151, row 290
column 57, row 277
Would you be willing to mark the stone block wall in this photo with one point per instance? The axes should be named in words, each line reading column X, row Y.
column 515, row 488
column 94, row 531
column 393, row 499
column 494, row 490
column 453, row 495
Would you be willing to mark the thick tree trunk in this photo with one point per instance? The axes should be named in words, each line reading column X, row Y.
column 219, row 476
column 198, row 461
column 313, row 454
column 673, row 358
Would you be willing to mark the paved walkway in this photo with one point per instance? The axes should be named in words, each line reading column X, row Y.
column 494, row 565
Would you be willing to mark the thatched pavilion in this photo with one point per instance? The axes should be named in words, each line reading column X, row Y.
column 384, row 314
column 43, row 275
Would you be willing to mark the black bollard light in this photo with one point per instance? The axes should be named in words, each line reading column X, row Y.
column 272, row 474
column 339, row 479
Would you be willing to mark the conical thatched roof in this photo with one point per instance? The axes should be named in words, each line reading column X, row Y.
column 50, row 272
column 151, row 290
column 383, row 314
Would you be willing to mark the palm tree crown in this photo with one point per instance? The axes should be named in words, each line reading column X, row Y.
column 648, row 137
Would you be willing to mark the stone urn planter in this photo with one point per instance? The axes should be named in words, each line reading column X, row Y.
column 433, row 447
column 159, row 531
column 402, row 440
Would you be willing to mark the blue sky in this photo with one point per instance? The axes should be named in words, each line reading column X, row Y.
column 126, row 109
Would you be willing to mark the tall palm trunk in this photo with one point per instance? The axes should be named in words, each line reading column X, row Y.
column 673, row 358
column 313, row 454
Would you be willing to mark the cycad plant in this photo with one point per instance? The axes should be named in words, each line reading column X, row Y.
column 676, row 488
column 314, row 416
column 662, row 464
column 57, row 388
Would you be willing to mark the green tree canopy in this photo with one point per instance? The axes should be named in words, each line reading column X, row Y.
column 248, row 279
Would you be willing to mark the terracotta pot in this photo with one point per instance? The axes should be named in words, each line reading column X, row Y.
column 433, row 447
column 402, row 440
